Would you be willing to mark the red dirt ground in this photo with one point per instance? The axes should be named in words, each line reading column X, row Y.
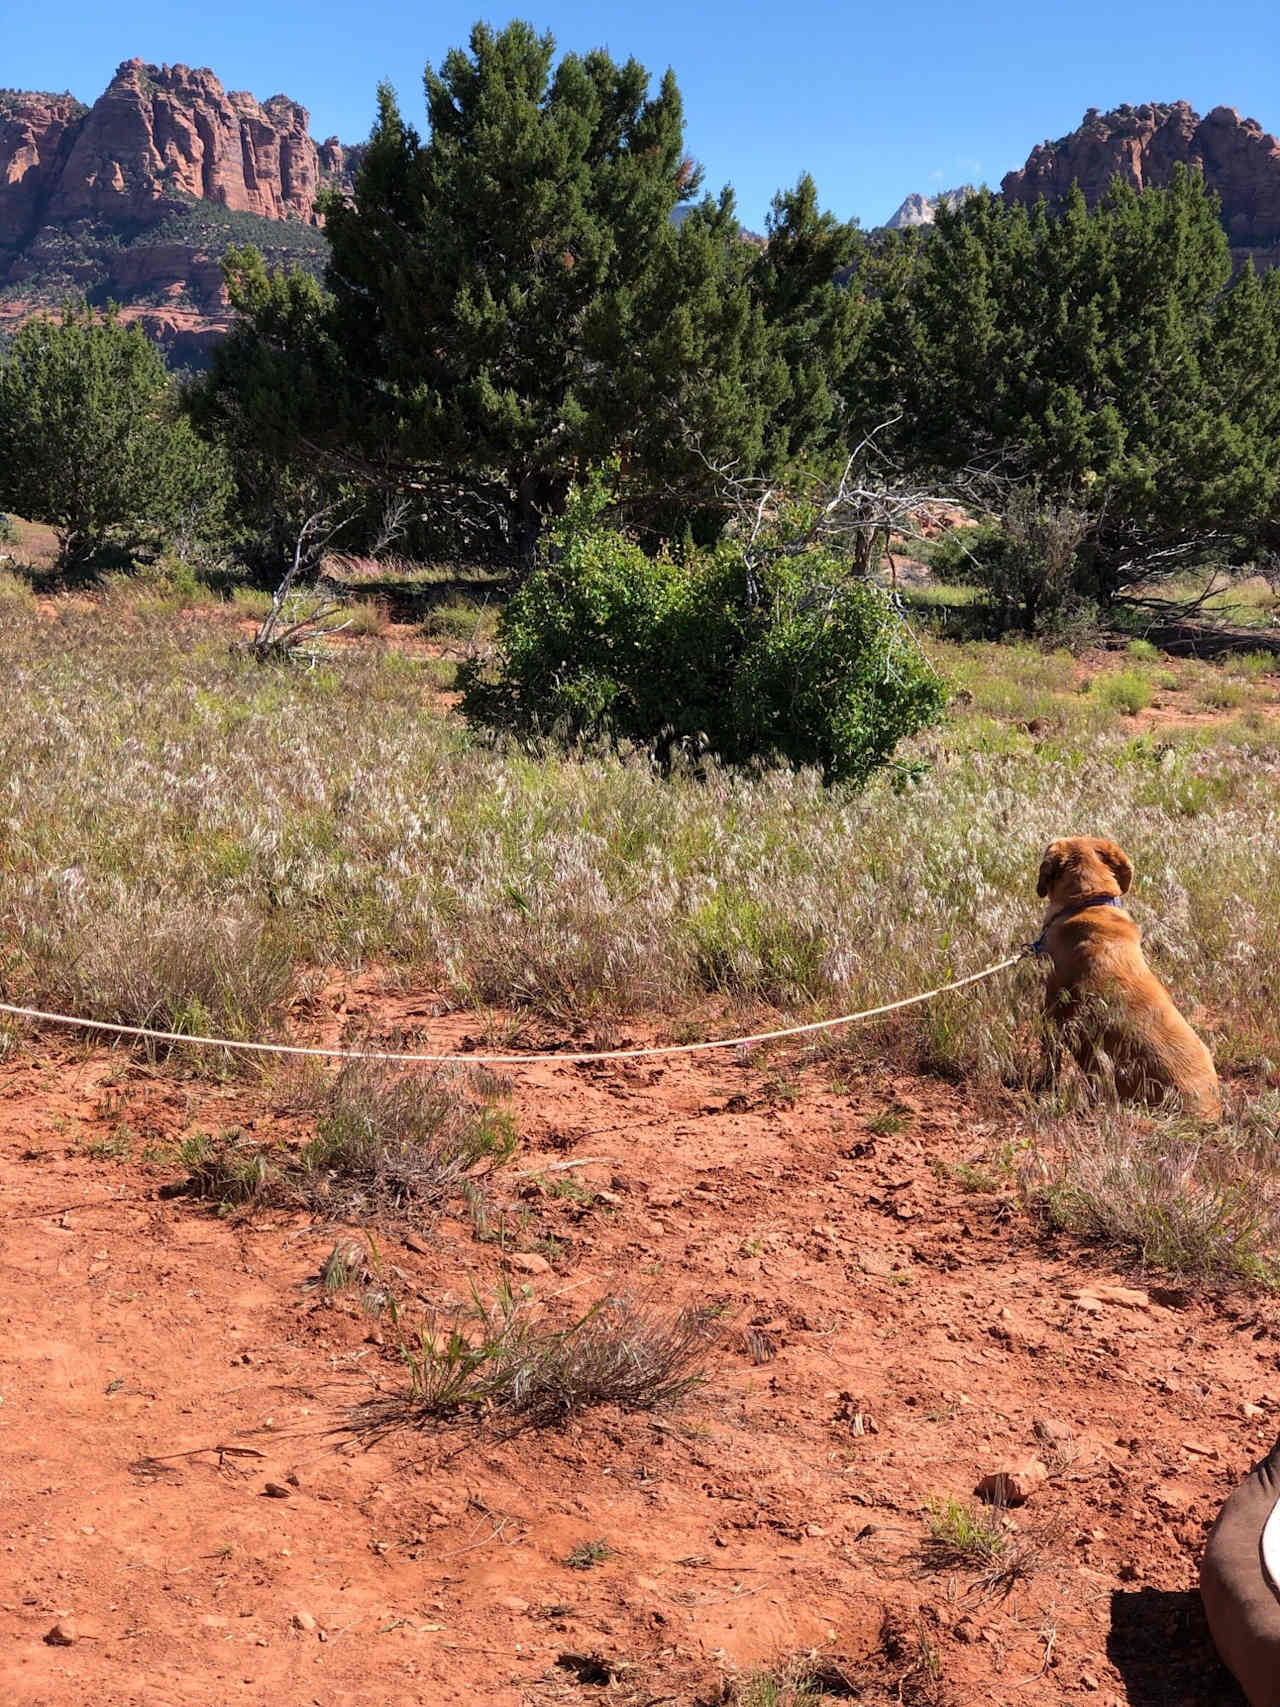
column 147, row 1338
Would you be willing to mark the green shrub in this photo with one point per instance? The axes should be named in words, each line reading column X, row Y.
column 1129, row 691
column 789, row 661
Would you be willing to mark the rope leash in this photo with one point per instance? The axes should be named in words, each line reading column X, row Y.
column 403, row 1059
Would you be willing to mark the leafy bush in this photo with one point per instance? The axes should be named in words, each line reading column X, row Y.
column 791, row 660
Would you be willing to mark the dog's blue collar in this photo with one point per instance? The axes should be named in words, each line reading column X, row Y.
column 1037, row 947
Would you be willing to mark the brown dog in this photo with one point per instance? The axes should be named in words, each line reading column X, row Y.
column 1102, row 997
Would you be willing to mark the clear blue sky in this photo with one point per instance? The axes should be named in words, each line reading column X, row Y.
column 875, row 100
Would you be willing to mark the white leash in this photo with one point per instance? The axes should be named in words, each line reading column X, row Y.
column 154, row 1036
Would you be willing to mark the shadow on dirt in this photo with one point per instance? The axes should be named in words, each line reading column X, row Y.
column 1160, row 1644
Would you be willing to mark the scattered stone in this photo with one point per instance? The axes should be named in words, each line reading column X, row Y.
column 303, row 1621
column 512, row 1602
column 1251, row 1413
column 1199, row 1449
column 277, row 1491
column 413, row 1243
column 1090, row 1297
column 1050, row 1432
column 528, row 1262
column 62, row 1635
column 1015, row 1485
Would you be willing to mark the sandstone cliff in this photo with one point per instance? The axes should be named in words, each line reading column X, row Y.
column 160, row 132
column 137, row 197
column 1240, row 161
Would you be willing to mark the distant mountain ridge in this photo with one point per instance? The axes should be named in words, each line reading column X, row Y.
column 1239, row 159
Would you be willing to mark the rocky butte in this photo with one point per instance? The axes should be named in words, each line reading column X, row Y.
column 1240, row 162
column 136, row 197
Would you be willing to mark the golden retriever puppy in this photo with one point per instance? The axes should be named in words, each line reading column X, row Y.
column 1102, row 998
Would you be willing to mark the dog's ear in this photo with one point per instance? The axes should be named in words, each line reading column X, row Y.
column 1050, row 866
column 1119, row 862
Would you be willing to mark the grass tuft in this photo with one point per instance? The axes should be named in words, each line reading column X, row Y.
column 389, row 1140
column 588, row 1554
column 1174, row 1198
column 505, row 1358
column 962, row 1535
column 388, row 1144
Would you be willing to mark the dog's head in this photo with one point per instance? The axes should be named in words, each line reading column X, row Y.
column 1077, row 866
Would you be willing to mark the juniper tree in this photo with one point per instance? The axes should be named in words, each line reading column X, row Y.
column 91, row 439
column 512, row 302
column 469, row 269
column 1099, row 354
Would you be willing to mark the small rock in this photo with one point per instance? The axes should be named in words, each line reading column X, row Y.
column 1128, row 1296
column 528, row 1262
column 277, row 1491
column 1015, row 1485
column 1050, row 1432
column 303, row 1621
column 1251, row 1413
column 1199, row 1449
column 414, row 1243
column 62, row 1635
column 512, row 1602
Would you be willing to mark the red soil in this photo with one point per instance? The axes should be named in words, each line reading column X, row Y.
column 147, row 1338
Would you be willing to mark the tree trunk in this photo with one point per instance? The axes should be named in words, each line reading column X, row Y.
column 528, row 521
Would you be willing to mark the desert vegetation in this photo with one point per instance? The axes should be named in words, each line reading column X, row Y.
column 643, row 635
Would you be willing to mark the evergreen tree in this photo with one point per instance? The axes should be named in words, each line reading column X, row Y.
column 276, row 398
column 513, row 302
column 799, row 278
column 1099, row 354
column 469, row 269
column 91, row 439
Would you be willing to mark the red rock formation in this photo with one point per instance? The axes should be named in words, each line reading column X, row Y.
column 160, row 133
column 1240, row 162
column 36, row 132
column 81, row 187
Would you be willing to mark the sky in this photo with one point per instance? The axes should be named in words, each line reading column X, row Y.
column 876, row 101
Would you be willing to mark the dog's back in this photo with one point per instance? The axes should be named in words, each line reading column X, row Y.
column 1101, row 990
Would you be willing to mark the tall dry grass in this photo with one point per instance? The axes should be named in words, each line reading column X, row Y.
column 179, row 827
